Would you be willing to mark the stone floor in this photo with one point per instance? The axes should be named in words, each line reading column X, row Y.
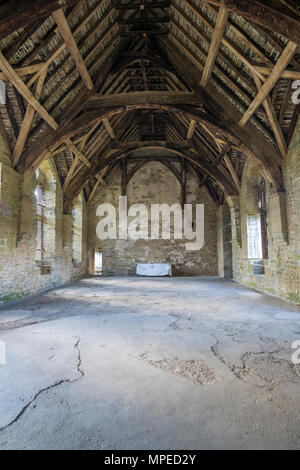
column 138, row 363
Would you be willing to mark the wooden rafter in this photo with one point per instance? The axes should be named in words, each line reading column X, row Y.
column 273, row 120
column 61, row 46
column 14, row 78
column 232, row 172
column 19, row 14
column 23, row 71
column 145, row 97
column 252, row 141
column 70, row 42
column 27, row 121
column 108, row 128
column 277, row 71
column 289, row 74
column 191, row 129
column 215, row 44
column 271, row 16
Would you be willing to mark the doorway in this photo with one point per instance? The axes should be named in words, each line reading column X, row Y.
column 98, row 263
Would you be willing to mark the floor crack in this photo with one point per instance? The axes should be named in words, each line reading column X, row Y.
column 46, row 389
column 238, row 371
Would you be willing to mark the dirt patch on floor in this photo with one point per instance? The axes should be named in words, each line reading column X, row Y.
column 196, row 371
column 265, row 369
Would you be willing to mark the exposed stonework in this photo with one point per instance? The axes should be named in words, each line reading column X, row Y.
column 155, row 184
column 282, row 268
column 20, row 273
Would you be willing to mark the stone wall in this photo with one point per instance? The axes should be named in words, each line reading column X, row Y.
column 20, row 273
column 282, row 268
column 156, row 184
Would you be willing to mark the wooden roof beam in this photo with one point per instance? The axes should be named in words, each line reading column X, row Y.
column 251, row 141
column 288, row 74
column 191, row 129
column 17, row 82
column 27, row 121
column 277, row 71
column 22, row 71
column 143, row 97
column 273, row 120
column 100, row 179
column 70, row 42
column 142, row 5
column 144, row 20
column 271, row 16
column 232, row 172
column 15, row 14
column 217, row 37
column 108, row 128
column 228, row 43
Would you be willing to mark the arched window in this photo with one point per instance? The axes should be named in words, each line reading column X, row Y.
column 255, row 201
column 77, row 232
column 45, row 196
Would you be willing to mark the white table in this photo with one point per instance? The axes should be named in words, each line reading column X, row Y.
column 154, row 269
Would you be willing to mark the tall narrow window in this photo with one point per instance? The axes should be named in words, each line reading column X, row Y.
column 254, row 237
column 263, row 218
column 40, row 218
column 45, row 197
column 77, row 232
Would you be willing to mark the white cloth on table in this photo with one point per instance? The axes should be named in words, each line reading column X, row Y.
column 154, row 269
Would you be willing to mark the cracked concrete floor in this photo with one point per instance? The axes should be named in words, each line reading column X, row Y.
column 136, row 363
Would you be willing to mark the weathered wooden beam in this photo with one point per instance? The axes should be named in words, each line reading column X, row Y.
column 251, row 141
column 78, row 156
column 108, row 128
column 271, row 81
column 224, row 151
column 70, row 42
column 14, row 78
column 273, row 120
column 205, row 38
column 288, row 74
column 77, row 152
column 33, row 157
column 61, row 46
column 145, row 20
column 271, row 16
column 144, row 97
column 141, row 5
column 93, row 193
column 15, row 14
column 191, row 129
column 100, row 179
column 27, row 121
column 22, row 71
column 232, row 172
column 176, row 144
column 229, row 44
column 215, row 44
column 142, row 32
